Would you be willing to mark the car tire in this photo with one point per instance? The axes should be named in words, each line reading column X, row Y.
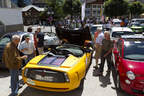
column 118, row 86
column 81, row 84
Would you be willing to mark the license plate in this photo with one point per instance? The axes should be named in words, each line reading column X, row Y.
column 30, row 81
column 44, row 78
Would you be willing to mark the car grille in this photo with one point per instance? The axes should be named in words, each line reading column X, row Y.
column 46, row 75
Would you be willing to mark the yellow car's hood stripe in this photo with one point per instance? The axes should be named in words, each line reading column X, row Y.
column 68, row 63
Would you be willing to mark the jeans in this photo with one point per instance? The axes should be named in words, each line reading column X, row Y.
column 109, row 60
column 14, row 81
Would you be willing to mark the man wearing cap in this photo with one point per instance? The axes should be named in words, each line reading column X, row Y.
column 98, row 44
column 27, row 48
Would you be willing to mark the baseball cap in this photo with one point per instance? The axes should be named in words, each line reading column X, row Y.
column 27, row 36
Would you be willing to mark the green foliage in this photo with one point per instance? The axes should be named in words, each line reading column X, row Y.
column 72, row 7
column 114, row 8
column 57, row 7
column 136, row 8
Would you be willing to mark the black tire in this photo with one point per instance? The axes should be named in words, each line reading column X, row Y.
column 81, row 84
column 118, row 86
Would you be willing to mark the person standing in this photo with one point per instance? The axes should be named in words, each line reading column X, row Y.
column 35, row 42
column 98, row 44
column 40, row 42
column 27, row 48
column 106, row 54
column 13, row 61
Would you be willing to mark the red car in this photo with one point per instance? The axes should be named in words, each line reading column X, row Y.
column 128, row 55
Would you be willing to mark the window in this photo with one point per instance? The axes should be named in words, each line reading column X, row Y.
column 94, row 6
column 4, row 40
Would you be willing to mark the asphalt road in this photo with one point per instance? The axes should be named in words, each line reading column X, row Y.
column 93, row 86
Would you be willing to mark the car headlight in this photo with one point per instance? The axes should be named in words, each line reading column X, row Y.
column 130, row 75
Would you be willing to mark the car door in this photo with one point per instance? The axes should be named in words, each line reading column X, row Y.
column 3, row 41
column 117, row 53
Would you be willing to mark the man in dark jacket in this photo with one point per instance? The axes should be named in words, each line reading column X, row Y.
column 106, row 53
column 40, row 42
column 13, row 61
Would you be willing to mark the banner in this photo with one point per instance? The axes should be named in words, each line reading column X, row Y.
column 83, row 10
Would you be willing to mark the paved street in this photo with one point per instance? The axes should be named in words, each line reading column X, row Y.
column 93, row 86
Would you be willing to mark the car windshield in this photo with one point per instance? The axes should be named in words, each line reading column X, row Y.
column 134, row 50
column 136, row 24
column 73, row 49
column 119, row 33
column 93, row 29
column 4, row 40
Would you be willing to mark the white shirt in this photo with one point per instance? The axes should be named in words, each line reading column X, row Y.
column 100, row 38
column 30, row 46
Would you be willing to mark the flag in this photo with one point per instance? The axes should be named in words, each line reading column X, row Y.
column 83, row 9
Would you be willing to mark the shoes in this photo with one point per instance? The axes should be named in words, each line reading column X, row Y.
column 96, row 67
column 100, row 74
column 108, row 70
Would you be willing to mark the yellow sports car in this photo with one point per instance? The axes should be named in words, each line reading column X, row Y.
column 63, row 67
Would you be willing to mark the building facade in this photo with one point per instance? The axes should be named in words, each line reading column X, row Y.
column 5, row 4
column 31, row 14
column 94, row 9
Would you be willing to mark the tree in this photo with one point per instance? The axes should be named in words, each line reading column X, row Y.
column 136, row 8
column 114, row 8
column 72, row 7
column 21, row 3
column 56, row 6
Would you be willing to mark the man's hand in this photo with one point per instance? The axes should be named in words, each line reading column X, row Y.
column 24, row 57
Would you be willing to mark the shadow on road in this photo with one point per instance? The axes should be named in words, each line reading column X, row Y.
column 105, row 80
column 28, row 91
column 35, row 92
column 4, row 73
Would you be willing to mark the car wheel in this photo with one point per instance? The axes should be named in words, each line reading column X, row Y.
column 81, row 84
column 118, row 86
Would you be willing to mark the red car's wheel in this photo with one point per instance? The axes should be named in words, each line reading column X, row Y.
column 118, row 86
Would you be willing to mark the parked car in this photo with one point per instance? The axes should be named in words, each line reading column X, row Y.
column 137, row 27
column 117, row 32
column 116, row 22
column 64, row 67
column 7, row 38
column 50, row 39
column 140, row 20
column 129, row 64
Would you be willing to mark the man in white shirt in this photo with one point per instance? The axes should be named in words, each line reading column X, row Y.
column 27, row 48
column 98, row 44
